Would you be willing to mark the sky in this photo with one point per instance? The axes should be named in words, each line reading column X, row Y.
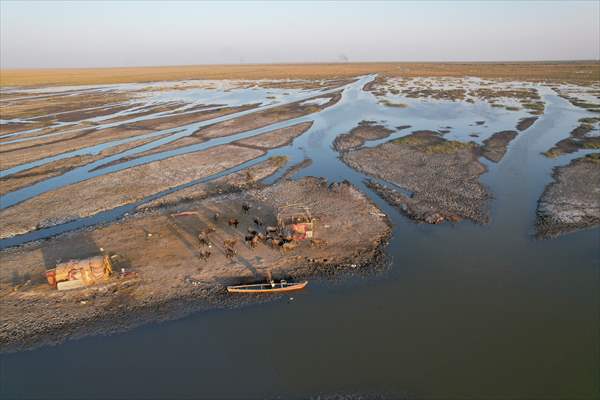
column 42, row 34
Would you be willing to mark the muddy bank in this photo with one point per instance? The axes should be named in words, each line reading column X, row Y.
column 248, row 122
column 243, row 179
column 51, row 106
column 580, row 138
column 31, row 176
column 302, row 84
column 275, row 138
column 12, row 127
column 572, row 201
column 118, row 188
column 146, row 110
column 78, row 115
column 525, row 123
column 175, row 120
column 433, row 179
column 496, row 93
column 136, row 111
column 15, row 154
column 294, row 169
column 495, row 146
column 366, row 130
column 171, row 265
column 270, row 116
column 265, row 141
column 576, row 95
column 127, row 186
column 74, row 139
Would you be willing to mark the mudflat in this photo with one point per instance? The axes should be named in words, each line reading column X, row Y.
column 572, row 201
column 181, row 158
column 580, row 138
column 34, row 175
column 126, row 186
column 495, row 146
column 174, row 273
column 118, row 188
column 435, row 179
column 27, row 151
column 366, row 130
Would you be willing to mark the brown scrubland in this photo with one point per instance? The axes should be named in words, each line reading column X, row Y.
column 582, row 71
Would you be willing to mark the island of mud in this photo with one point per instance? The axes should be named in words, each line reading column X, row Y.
column 584, row 137
column 179, row 258
column 572, row 201
column 430, row 179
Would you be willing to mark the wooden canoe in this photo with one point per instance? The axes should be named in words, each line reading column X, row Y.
column 280, row 287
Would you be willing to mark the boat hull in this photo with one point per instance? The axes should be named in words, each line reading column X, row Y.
column 267, row 288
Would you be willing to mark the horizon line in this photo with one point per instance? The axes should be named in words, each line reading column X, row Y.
column 541, row 61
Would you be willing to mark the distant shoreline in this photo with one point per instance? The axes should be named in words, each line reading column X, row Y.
column 564, row 71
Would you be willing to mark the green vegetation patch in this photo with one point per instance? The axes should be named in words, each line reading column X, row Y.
column 593, row 158
column 589, row 120
column 591, row 144
column 585, row 104
column 430, row 144
column 536, row 108
column 553, row 153
column 388, row 103
column 512, row 108
column 278, row 160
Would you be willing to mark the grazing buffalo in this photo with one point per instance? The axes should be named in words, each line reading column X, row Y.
column 205, row 254
column 203, row 239
column 289, row 246
column 229, row 243
column 208, row 230
column 229, row 253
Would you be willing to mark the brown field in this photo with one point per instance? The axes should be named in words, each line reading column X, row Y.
column 580, row 71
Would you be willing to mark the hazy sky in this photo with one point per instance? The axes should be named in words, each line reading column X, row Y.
column 86, row 34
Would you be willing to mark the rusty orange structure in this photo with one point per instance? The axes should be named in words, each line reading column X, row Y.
column 79, row 273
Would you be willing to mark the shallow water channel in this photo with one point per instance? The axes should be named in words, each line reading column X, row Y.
column 463, row 311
